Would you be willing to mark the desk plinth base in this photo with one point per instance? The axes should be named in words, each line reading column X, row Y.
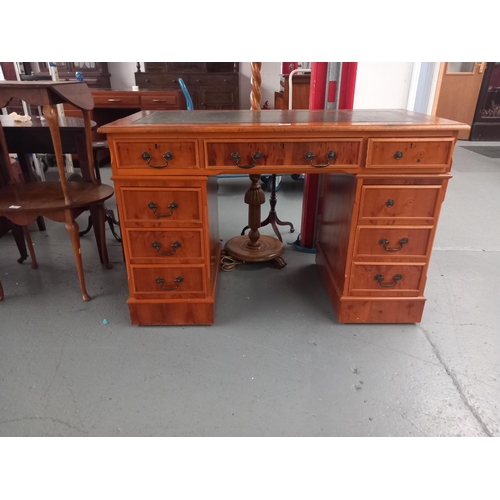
column 269, row 249
column 157, row 312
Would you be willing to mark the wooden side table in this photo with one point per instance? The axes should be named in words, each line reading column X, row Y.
column 61, row 201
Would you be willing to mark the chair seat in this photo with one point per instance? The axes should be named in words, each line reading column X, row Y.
column 46, row 196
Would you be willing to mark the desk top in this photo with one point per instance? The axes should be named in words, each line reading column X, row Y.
column 319, row 120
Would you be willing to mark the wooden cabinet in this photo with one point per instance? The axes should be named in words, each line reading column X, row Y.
column 300, row 92
column 377, row 214
column 211, row 85
column 95, row 74
column 111, row 105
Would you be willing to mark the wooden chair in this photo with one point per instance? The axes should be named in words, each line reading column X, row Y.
column 62, row 200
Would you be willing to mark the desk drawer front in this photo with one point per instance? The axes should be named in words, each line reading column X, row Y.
column 164, row 245
column 171, row 282
column 162, row 101
column 117, row 101
column 413, row 153
column 387, row 279
column 392, row 241
column 157, row 155
column 399, row 202
column 161, row 205
column 316, row 154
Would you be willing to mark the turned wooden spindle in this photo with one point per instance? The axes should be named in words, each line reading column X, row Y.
column 254, row 247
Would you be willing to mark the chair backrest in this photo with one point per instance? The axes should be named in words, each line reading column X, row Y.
column 184, row 89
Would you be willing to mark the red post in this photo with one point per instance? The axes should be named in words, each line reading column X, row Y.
column 348, row 84
column 316, row 101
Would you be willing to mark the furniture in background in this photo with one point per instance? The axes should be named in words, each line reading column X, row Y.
column 111, row 105
column 301, row 85
column 24, row 139
column 95, row 74
column 211, row 85
column 486, row 122
column 61, row 201
column 21, row 236
column 384, row 178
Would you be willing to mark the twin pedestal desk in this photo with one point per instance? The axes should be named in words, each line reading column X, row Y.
column 385, row 177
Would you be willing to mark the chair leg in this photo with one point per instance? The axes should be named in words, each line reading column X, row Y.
column 98, row 216
column 1, row 292
column 31, row 248
column 89, row 227
column 112, row 222
column 72, row 228
column 17, row 232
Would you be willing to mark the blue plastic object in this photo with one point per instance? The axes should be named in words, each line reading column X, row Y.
column 184, row 89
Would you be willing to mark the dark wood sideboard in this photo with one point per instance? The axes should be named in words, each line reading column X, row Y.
column 111, row 105
column 211, row 85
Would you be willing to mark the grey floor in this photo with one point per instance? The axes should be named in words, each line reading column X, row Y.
column 276, row 362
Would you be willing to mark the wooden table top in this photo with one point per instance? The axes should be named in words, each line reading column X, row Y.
column 320, row 120
column 42, row 93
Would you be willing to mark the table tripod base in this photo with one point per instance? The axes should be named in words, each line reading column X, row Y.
column 269, row 248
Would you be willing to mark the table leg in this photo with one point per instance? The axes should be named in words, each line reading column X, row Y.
column 72, row 228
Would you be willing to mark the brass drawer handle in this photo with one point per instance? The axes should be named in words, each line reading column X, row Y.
column 398, row 155
column 114, row 100
column 380, row 279
column 167, row 156
column 158, row 100
column 255, row 158
column 385, row 244
column 154, row 207
column 175, row 245
column 331, row 155
column 177, row 280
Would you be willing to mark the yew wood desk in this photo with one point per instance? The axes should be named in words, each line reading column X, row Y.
column 385, row 174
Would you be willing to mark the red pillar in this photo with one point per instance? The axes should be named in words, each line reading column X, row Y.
column 317, row 94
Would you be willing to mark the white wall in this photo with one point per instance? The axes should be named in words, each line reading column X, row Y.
column 382, row 85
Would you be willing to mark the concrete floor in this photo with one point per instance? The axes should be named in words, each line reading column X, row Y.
column 276, row 362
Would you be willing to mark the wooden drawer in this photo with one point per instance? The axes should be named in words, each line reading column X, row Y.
column 387, row 279
column 116, row 100
column 168, row 282
column 410, row 153
column 399, row 202
column 164, row 245
column 172, row 100
column 162, row 205
column 151, row 155
column 230, row 80
column 392, row 241
column 157, row 81
column 283, row 154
